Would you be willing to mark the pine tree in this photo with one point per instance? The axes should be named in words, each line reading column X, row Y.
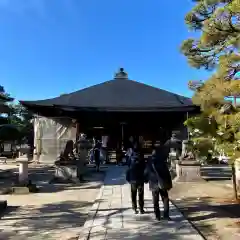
column 5, row 99
column 15, row 114
column 217, row 49
column 22, row 118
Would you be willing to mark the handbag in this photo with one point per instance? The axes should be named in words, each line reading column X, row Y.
column 159, row 179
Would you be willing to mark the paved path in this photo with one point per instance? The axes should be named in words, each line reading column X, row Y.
column 112, row 217
column 58, row 211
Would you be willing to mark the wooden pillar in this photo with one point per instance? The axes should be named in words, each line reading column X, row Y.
column 122, row 134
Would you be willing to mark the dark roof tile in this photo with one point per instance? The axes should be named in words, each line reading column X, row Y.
column 117, row 93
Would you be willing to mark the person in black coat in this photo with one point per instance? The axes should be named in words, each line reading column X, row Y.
column 96, row 151
column 159, row 178
column 174, row 143
column 135, row 176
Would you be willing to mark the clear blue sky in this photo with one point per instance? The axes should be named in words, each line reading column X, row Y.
column 51, row 47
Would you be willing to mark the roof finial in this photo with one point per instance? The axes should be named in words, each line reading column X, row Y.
column 121, row 74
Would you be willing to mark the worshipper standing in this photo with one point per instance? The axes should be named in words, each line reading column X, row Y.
column 91, row 155
column 119, row 154
column 83, row 146
column 160, row 181
column 96, row 150
column 104, row 148
column 135, row 176
column 175, row 145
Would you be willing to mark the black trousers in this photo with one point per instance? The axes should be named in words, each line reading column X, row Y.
column 128, row 159
column 164, row 195
column 97, row 161
column 137, row 188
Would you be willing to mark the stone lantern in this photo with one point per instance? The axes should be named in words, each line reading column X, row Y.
column 23, row 160
column 24, row 185
column 188, row 169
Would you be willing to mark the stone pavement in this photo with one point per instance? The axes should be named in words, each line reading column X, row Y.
column 57, row 211
column 111, row 216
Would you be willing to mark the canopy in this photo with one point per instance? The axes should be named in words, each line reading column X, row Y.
column 119, row 94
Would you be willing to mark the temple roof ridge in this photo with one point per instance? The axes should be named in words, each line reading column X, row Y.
column 121, row 74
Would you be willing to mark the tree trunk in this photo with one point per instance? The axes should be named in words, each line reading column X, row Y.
column 234, row 182
column 233, row 165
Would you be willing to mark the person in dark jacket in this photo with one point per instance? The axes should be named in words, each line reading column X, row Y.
column 135, row 176
column 174, row 144
column 96, row 151
column 160, row 181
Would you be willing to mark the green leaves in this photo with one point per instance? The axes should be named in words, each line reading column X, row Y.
column 202, row 146
column 219, row 24
column 217, row 49
column 17, row 115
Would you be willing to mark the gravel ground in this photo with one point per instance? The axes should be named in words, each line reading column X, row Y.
column 210, row 207
column 58, row 211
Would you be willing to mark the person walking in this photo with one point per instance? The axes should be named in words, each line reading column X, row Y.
column 160, row 181
column 135, row 176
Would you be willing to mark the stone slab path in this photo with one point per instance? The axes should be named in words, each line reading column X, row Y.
column 111, row 216
column 58, row 211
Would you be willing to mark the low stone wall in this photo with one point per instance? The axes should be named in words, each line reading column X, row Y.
column 66, row 172
column 71, row 171
column 188, row 171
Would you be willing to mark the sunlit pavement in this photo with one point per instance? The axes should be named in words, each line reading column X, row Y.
column 111, row 217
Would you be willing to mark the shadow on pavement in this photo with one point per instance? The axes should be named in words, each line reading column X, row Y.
column 204, row 204
column 141, row 227
column 150, row 232
column 41, row 176
column 203, row 212
column 41, row 220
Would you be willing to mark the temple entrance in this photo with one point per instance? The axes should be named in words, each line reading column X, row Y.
column 119, row 108
column 119, row 133
column 147, row 134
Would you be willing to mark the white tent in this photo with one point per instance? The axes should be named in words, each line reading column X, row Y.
column 50, row 137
